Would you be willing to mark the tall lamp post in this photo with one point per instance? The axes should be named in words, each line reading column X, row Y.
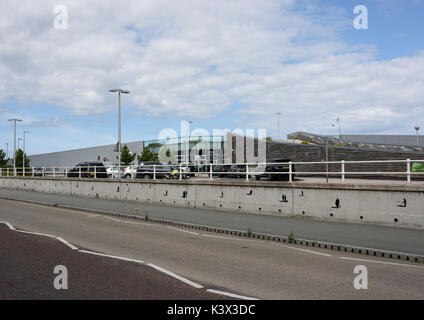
column 417, row 128
column 14, row 143
column 119, row 124
column 340, row 133
column 187, row 141
column 23, row 156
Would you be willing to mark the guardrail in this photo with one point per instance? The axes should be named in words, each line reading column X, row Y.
column 288, row 170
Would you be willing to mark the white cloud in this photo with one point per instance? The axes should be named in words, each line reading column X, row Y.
column 196, row 58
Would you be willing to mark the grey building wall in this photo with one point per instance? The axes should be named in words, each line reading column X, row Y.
column 317, row 153
column 104, row 154
column 402, row 140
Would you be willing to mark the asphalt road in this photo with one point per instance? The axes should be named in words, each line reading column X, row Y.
column 362, row 235
column 247, row 267
column 28, row 263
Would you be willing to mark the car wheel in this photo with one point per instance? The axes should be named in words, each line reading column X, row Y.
column 146, row 176
column 128, row 176
column 257, row 178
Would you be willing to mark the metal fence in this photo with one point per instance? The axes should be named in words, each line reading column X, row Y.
column 289, row 171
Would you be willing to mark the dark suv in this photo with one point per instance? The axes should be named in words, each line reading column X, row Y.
column 147, row 170
column 272, row 167
column 88, row 170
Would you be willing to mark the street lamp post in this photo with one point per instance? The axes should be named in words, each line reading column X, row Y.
column 187, row 141
column 23, row 156
column 119, row 124
column 417, row 128
column 340, row 133
column 14, row 143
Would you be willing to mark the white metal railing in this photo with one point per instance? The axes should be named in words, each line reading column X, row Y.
column 287, row 170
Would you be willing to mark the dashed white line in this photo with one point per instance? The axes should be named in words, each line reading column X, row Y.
column 67, row 243
column 169, row 273
column 191, row 232
column 110, row 256
column 231, row 238
column 382, row 262
column 304, row 250
column 232, row 295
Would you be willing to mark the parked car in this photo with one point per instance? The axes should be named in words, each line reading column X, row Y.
column 88, row 170
column 272, row 167
column 129, row 172
column 38, row 172
column 221, row 170
column 148, row 170
column 113, row 172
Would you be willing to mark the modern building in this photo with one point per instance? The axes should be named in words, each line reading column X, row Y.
column 202, row 150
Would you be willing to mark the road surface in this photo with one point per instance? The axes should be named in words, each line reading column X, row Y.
column 247, row 267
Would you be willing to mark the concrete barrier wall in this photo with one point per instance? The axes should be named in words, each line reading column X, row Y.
column 376, row 204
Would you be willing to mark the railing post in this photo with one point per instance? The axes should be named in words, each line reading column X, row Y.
column 154, row 172
column 32, row 172
column 181, row 177
column 408, row 170
column 247, row 172
column 343, row 171
column 95, row 172
column 23, row 170
column 210, row 171
column 43, row 172
column 290, row 171
column 79, row 172
column 66, row 172
column 7, row 171
column 54, row 172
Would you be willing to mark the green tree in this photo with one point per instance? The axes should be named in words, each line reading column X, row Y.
column 3, row 160
column 19, row 159
column 147, row 155
column 126, row 156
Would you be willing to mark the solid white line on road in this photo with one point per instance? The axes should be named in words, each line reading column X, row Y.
column 117, row 220
column 37, row 234
column 9, row 225
column 382, row 262
column 169, row 273
column 232, row 295
column 195, row 233
column 109, row 256
column 231, row 238
column 67, row 243
column 304, row 250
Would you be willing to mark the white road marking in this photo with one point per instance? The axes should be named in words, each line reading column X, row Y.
column 36, row 233
column 169, row 273
column 195, row 233
column 231, row 238
column 110, row 256
column 67, row 243
column 382, row 262
column 232, row 295
column 93, row 215
column 117, row 220
column 8, row 225
column 300, row 249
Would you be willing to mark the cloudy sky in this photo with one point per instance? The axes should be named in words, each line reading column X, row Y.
column 223, row 64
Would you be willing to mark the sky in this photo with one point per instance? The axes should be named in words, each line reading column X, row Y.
column 224, row 64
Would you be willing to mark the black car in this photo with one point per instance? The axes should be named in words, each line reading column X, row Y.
column 150, row 169
column 271, row 169
column 88, row 170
